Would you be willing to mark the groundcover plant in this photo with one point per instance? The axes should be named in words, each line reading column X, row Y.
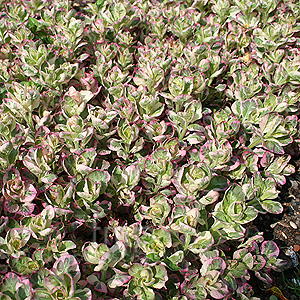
column 139, row 140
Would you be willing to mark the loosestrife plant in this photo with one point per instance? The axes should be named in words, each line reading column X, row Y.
column 139, row 140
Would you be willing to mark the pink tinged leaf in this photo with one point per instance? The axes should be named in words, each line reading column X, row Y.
column 118, row 280
column 54, row 283
column 11, row 207
column 132, row 175
column 239, row 253
column 248, row 259
column 109, row 259
column 26, row 209
column 263, row 276
column 259, row 262
column 161, row 275
column 4, row 297
column 273, row 207
column 202, row 243
column 219, row 290
column 8, row 174
column 24, row 234
column 67, row 264
column 204, row 65
column 30, row 162
column 269, row 248
column 30, row 193
column 84, row 294
column 213, row 264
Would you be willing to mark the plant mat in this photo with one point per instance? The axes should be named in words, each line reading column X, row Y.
column 139, row 140
column 284, row 229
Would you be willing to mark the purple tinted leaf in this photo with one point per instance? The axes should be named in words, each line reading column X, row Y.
column 119, row 279
column 263, row 276
column 269, row 248
column 67, row 264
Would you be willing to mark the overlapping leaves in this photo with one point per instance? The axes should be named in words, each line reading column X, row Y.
column 139, row 141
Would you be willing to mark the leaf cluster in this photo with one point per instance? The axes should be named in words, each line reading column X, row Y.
column 139, row 140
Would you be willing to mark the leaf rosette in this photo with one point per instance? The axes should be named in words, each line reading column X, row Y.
column 145, row 277
column 154, row 244
column 158, row 210
column 15, row 287
column 233, row 208
column 61, row 282
column 41, row 225
column 192, row 178
column 15, row 240
column 18, row 194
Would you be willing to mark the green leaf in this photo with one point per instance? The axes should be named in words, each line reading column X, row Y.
column 111, row 257
column 100, row 176
column 42, row 294
column 84, row 294
column 202, row 243
column 233, row 194
column 270, row 249
column 21, row 265
column 173, row 260
column 33, row 25
column 92, row 252
column 250, row 213
column 218, row 183
column 132, row 175
column 118, row 279
column 273, row 207
column 4, row 297
column 119, row 11
column 67, row 264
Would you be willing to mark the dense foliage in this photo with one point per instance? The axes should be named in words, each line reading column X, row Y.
column 139, row 140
